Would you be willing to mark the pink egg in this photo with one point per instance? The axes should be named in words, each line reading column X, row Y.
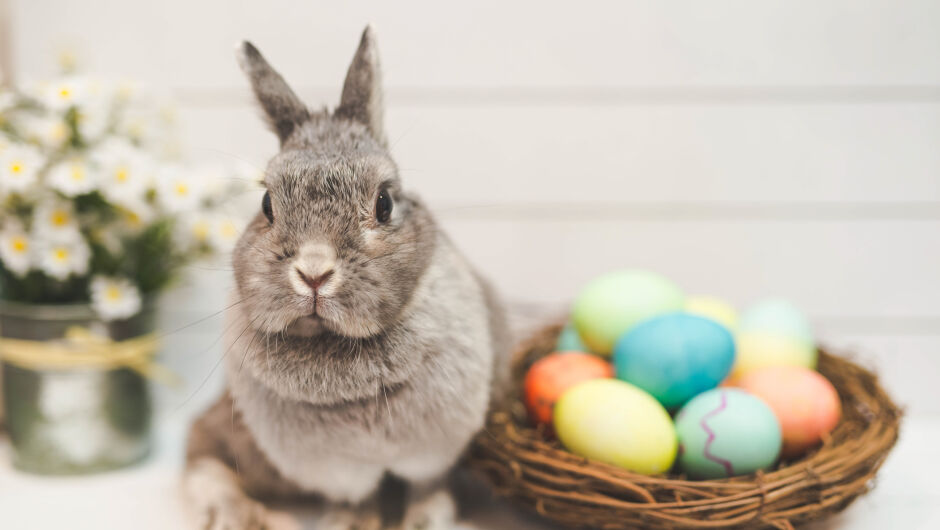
column 805, row 402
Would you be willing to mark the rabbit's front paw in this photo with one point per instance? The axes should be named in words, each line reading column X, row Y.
column 218, row 503
column 345, row 518
column 244, row 514
column 436, row 511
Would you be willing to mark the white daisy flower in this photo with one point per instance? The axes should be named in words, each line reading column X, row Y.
column 67, row 59
column 128, row 90
column 135, row 215
column 137, row 125
column 73, row 176
column 61, row 258
column 178, row 191
column 150, row 125
column 223, row 233
column 61, row 94
column 126, row 172
column 47, row 131
column 55, row 219
column 114, row 298
column 194, row 229
column 109, row 237
column 15, row 248
column 93, row 118
column 19, row 167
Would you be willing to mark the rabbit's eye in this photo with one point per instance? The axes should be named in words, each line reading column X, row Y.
column 266, row 207
column 383, row 206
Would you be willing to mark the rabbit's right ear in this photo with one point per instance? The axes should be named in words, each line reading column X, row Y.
column 283, row 108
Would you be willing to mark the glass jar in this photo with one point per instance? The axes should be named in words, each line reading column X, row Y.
column 75, row 419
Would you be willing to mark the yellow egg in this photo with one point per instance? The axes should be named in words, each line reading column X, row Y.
column 615, row 422
column 713, row 308
column 759, row 350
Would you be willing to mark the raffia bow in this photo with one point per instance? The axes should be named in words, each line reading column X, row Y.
column 80, row 348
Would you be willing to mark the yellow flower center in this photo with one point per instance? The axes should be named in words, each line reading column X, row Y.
column 120, row 174
column 201, row 230
column 135, row 129
column 112, row 293
column 16, row 167
column 78, row 173
column 20, row 245
column 228, row 230
column 65, row 93
column 60, row 218
column 61, row 254
column 132, row 218
column 59, row 132
column 182, row 188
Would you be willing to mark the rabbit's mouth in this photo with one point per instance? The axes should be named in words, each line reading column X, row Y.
column 307, row 326
column 317, row 303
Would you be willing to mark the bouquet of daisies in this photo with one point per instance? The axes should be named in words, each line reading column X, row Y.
column 94, row 206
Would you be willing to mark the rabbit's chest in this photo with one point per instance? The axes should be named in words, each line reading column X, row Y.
column 342, row 452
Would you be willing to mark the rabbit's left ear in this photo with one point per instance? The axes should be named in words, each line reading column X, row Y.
column 282, row 108
column 362, row 91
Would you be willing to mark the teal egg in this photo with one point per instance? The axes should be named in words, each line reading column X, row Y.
column 569, row 340
column 675, row 357
column 613, row 303
column 776, row 316
column 726, row 432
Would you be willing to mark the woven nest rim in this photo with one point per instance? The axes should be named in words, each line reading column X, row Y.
column 525, row 465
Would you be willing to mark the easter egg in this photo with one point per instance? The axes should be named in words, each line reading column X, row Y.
column 675, row 357
column 713, row 308
column 569, row 340
column 757, row 350
column 615, row 422
column 551, row 375
column 613, row 303
column 776, row 316
column 805, row 402
column 725, row 432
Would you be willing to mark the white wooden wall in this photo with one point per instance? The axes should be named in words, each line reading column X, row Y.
column 742, row 148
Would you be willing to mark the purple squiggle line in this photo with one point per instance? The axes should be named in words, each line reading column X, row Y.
column 711, row 437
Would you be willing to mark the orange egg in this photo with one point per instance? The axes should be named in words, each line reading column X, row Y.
column 551, row 375
column 805, row 402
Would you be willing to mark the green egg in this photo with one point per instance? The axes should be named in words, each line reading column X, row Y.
column 613, row 303
column 776, row 316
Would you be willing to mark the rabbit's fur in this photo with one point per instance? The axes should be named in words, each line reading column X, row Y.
column 392, row 375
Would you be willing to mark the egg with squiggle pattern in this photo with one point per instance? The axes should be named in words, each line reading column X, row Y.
column 726, row 432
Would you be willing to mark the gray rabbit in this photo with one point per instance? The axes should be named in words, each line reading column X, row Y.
column 363, row 347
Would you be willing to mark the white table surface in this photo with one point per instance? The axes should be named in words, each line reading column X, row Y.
column 906, row 496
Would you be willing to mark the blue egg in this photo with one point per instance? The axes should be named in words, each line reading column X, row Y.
column 569, row 340
column 675, row 357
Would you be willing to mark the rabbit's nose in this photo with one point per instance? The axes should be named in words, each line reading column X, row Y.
column 314, row 266
column 317, row 281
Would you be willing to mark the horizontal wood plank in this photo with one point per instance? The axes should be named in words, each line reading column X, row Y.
column 857, row 269
column 531, row 156
column 492, row 43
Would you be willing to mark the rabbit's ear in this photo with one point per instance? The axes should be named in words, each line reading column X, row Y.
column 362, row 91
column 283, row 108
